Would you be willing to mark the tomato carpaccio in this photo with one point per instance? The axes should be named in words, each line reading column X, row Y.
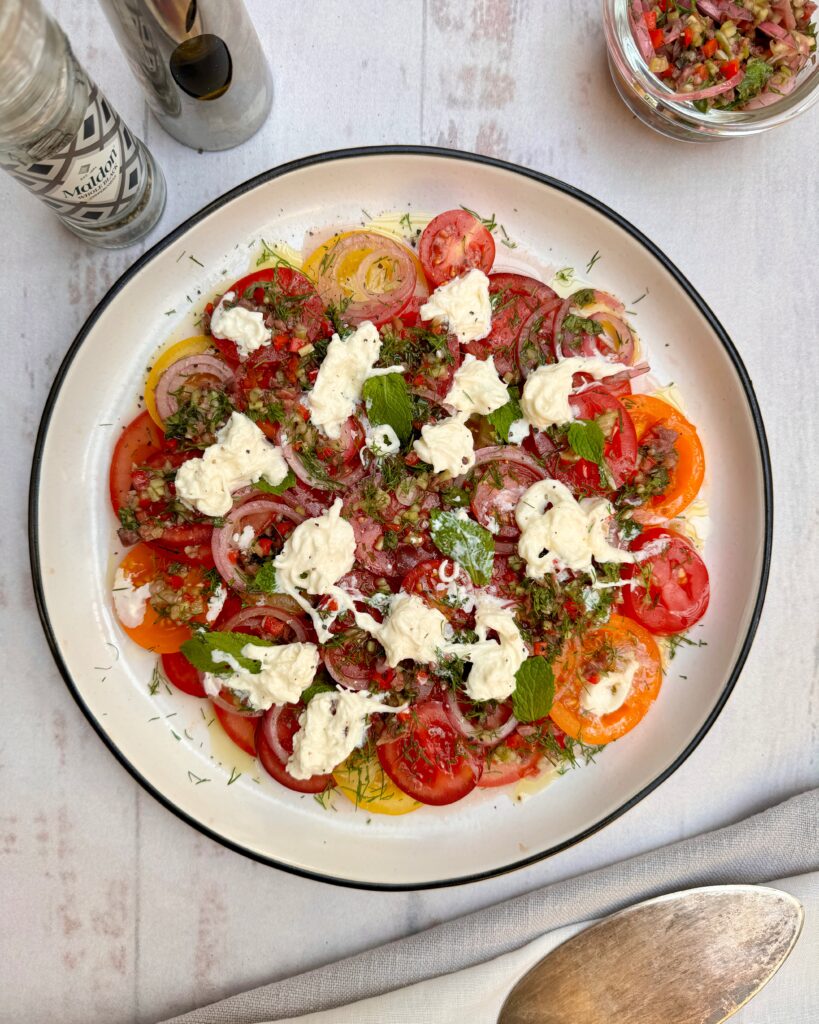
column 400, row 513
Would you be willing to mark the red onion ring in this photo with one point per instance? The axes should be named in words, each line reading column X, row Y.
column 509, row 453
column 372, row 305
column 282, row 610
column 712, row 90
column 640, row 30
column 356, row 471
column 270, row 726
column 261, row 510
column 354, row 677
column 482, row 737
column 177, row 373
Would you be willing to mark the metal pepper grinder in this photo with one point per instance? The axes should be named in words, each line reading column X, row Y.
column 201, row 65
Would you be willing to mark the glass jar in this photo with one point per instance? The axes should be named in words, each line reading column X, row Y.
column 666, row 111
column 62, row 140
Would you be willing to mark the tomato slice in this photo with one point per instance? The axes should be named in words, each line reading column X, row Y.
column 182, row 593
column 453, row 243
column 288, row 300
column 515, row 297
column 141, row 439
column 287, row 725
column 507, row 764
column 429, row 761
column 181, row 674
column 240, row 728
column 497, row 494
column 670, row 589
column 449, row 596
column 651, row 415
column 362, row 780
column 619, row 450
column 583, row 662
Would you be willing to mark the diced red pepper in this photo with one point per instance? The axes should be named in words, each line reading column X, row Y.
column 657, row 37
column 700, row 72
column 514, row 741
column 295, row 344
column 688, row 36
column 280, row 342
column 709, row 48
column 274, row 627
column 540, row 647
column 265, row 544
column 669, row 71
column 650, row 18
column 304, row 413
column 176, row 582
column 729, row 68
column 412, row 459
column 663, row 5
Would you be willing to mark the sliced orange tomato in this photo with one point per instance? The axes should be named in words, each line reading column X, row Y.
column 189, row 347
column 686, row 478
column 161, row 632
column 582, row 664
column 363, row 781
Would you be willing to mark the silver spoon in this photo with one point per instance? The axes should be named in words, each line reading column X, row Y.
column 691, row 957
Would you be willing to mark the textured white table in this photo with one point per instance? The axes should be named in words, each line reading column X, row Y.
column 113, row 909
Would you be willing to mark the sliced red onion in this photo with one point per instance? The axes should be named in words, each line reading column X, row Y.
column 306, row 501
column 372, row 305
column 484, row 738
column 510, row 453
column 640, row 29
column 258, row 513
column 180, row 371
column 433, row 399
column 270, row 727
column 354, row 677
column 253, row 618
column 355, row 473
column 768, row 96
column 713, row 90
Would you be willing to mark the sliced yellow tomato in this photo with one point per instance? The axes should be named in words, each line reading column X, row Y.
column 189, row 347
column 362, row 780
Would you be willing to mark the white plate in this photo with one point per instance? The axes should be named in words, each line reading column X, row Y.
column 72, row 529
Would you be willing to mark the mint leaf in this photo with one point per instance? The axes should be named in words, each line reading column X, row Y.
column 534, row 690
column 581, row 324
column 757, row 73
column 288, row 482
column 313, row 689
column 466, row 541
column 199, row 651
column 264, row 582
column 585, row 297
column 387, row 400
column 503, row 418
column 586, row 440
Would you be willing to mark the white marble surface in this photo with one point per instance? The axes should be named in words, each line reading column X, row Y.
column 114, row 910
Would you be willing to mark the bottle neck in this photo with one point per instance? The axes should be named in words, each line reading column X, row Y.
column 43, row 91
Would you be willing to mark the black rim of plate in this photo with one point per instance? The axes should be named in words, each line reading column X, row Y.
column 451, row 154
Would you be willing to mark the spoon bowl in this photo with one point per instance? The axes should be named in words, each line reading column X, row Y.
column 691, row 957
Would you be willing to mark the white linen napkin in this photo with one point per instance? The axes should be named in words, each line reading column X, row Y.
column 476, row 995
column 779, row 843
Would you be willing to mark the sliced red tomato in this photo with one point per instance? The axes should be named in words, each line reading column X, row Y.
column 497, row 494
column 240, row 728
column 453, row 243
column 447, row 592
column 141, row 439
column 181, row 674
column 190, row 542
column 619, row 450
column 287, row 725
column 510, row 762
column 515, row 297
column 288, row 300
column 670, row 589
column 429, row 760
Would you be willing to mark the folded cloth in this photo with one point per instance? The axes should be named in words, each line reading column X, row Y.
column 780, row 842
column 476, row 995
